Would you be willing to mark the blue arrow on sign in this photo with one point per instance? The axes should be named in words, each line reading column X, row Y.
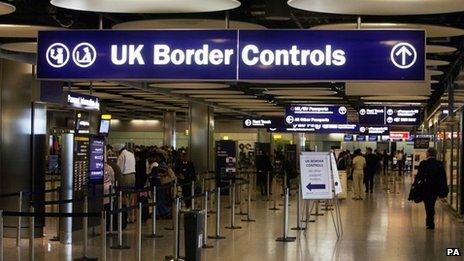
column 315, row 186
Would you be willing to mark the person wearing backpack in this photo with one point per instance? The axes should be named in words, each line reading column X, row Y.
column 432, row 175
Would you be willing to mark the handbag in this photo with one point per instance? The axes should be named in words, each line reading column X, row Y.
column 417, row 191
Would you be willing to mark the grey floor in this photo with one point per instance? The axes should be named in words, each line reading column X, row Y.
column 384, row 226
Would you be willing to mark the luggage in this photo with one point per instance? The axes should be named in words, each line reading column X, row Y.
column 417, row 191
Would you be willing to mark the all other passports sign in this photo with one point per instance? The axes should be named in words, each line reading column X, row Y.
column 232, row 55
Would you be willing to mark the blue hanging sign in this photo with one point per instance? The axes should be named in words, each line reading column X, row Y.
column 314, row 114
column 372, row 115
column 232, row 55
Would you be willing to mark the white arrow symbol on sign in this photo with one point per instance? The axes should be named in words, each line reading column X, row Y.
column 403, row 51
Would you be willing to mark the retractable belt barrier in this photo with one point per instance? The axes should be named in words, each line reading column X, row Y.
column 6, row 195
column 102, row 215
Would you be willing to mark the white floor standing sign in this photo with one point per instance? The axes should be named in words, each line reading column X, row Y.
column 320, row 182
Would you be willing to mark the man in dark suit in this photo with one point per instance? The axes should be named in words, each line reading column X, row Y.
column 372, row 164
column 185, row 172
column 432, row 172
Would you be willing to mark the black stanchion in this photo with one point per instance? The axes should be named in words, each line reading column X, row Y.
column 285, row 237
column 153, row 216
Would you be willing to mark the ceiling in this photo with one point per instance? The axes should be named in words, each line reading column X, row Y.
column 235, row 99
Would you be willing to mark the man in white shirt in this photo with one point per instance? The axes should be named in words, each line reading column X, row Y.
column 126, row 162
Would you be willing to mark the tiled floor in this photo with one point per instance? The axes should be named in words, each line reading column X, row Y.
column 384, row 226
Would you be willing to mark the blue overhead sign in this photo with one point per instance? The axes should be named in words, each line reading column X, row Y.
column 373, row 115
column 390, row 115
column 232, row 55
column 314, row 114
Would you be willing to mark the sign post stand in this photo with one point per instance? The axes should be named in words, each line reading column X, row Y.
column 319, row 181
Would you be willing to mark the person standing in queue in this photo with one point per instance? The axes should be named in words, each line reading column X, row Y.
column 432, row 172
column 126, row 162
column 372, row 163
column 264, row 167
column 385, row 160
column 185, row 171
column 359, row 163
column 400, row 162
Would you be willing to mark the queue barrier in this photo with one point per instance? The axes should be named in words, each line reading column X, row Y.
column 32, row 215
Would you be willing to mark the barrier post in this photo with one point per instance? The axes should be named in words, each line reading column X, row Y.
column 203, row 190
column 298, row 210
column 120, row 245
column 274, row 198
column 192, row 190
column 205, row 224
column 232, row 210
column 1, row 235
column 248, row 214
column 111, row 210
column 153, row 216
column 18, row 227
column 268, row 186
column 218, row 215
column 85, row 230
column 103, row 235
column 285, row 237
column 230, row 194
column 31, row 235
column 175, row 218
column 57, row 237
column 139, row 233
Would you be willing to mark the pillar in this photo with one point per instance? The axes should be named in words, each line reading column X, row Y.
column 299, row 141
column 201, row 136
column 264, row 136
column 17, row 140
column 169, row 129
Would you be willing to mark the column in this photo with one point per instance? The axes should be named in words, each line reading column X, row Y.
column 264, row 136
column 201, row 136
column 169, row 129
column 18, row 123
column 299, row 141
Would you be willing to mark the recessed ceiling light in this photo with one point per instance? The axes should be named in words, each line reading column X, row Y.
column 24, row 47
column 190, row 85
column 6, row 8
column 431, row 30
column 23, row 30
column 184, row 24
column 379, row 7
column 439, row 49
column 147, row 6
